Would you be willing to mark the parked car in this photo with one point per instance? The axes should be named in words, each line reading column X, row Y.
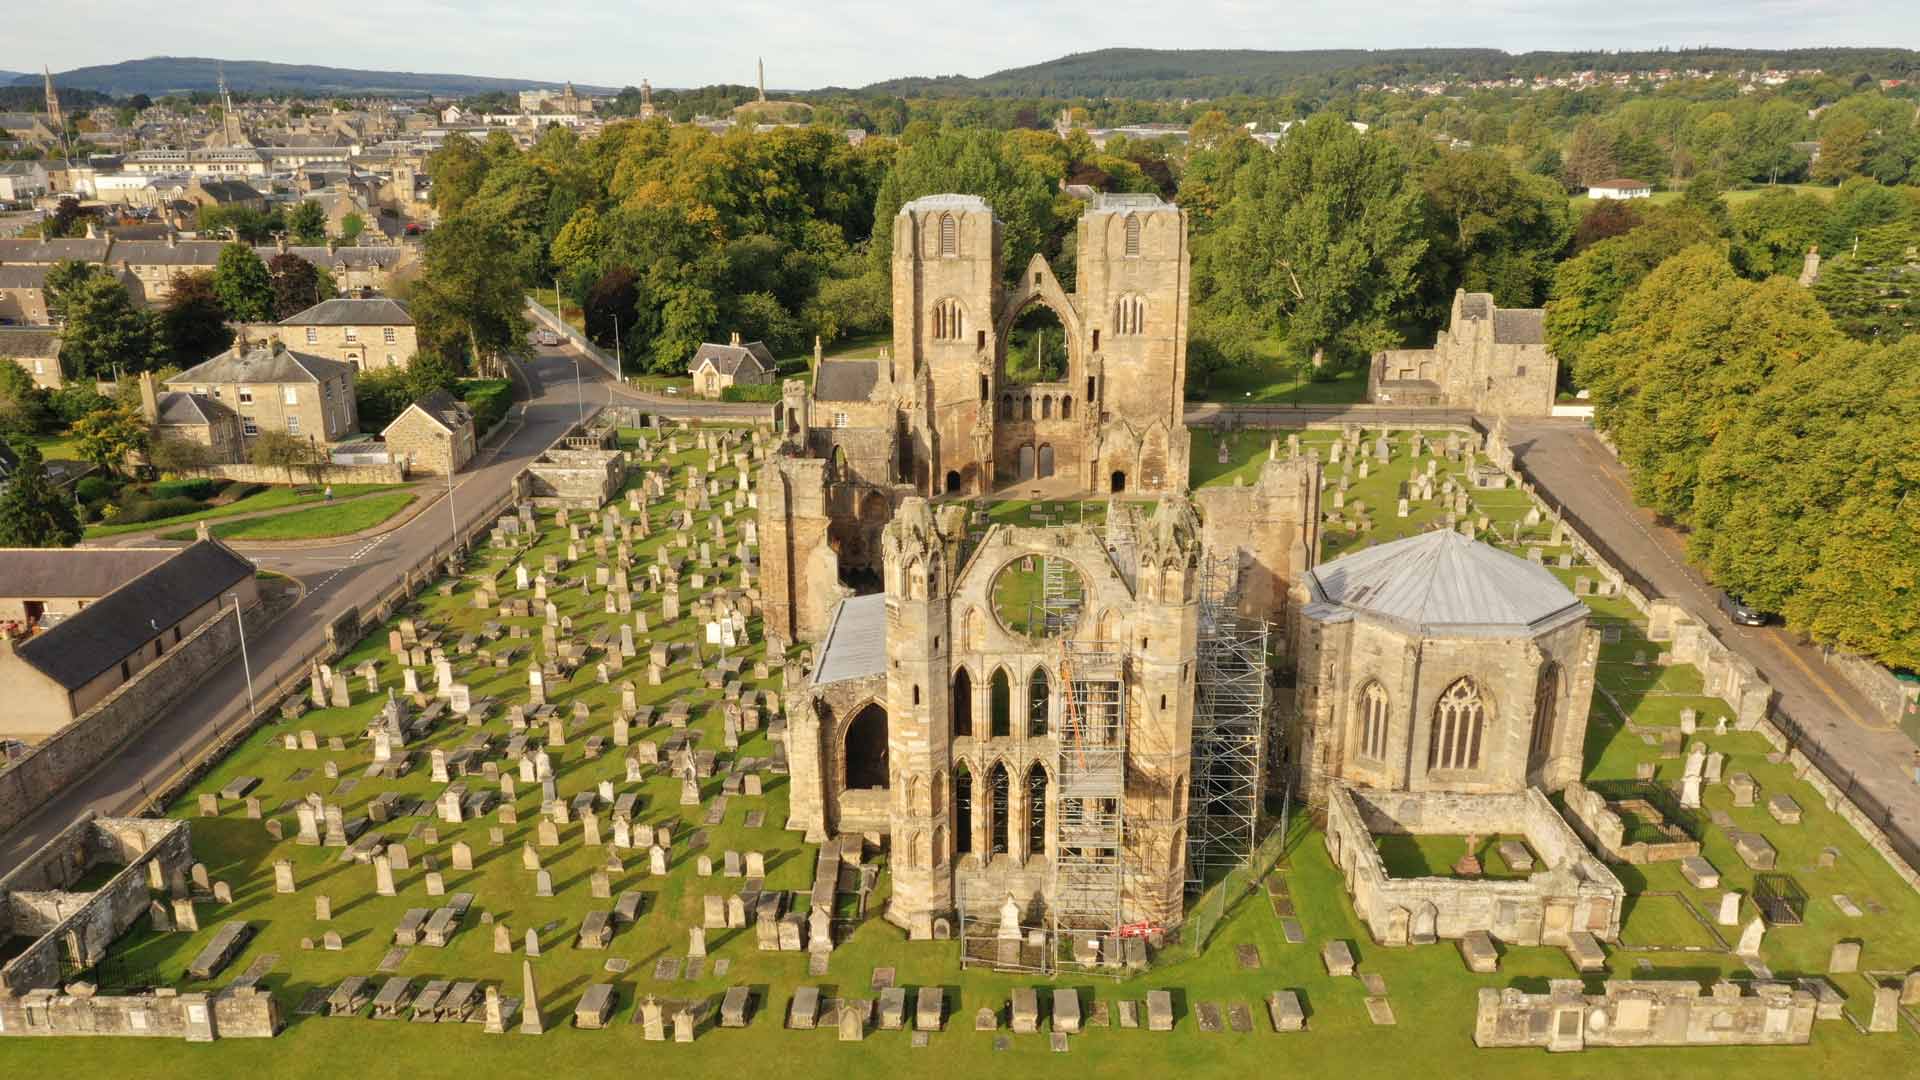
column 1741, row 612
column 546, row 337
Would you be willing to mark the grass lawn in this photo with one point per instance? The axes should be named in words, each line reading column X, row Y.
column 272, row 499
column 1275, row 383
column 57, row 446
column 337, row 519
column 1431, row 992
column 1434, row 856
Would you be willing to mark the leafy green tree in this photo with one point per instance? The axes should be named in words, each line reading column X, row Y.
column 457, row 168
column 351, row 226
column 1601, row 220
column 67, row 219
column 177, row 455
column 1590, row 158
column 1873, row 290
column 1773, row 232
column 105, row 332
column 1861, row 204
column 969, row 162
column 1492, row 230
column 108, row 437
column 243, row 285
column 1588, row 288
column 297, row 284
column 1843, row 149
column 63, row 278
column 25, row 408
column 1764, row 138
column 33, row 512
column 193, row 324
column 471, row 297
column 307, row 223
column 75, row 400
column 1319, row 242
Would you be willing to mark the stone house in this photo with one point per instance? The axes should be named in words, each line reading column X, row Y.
column 374, row 334
column 182, row 417
column 151, row 265
column 205, row 192
column 22, row 180
column 1490, row 360
column 36, row 349
column 356, row 268
column 89, row 619
column 155, row 263
column 23, row 296
column 434, row 434
column 716, row 367
column 273, row 388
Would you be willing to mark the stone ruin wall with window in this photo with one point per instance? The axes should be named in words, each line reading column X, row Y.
column 971, row 712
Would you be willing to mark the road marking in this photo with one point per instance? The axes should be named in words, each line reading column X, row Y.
column 363, row 551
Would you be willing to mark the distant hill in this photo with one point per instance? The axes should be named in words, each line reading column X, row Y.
column 159, row 75
column 9, row 77
column 1177, row 73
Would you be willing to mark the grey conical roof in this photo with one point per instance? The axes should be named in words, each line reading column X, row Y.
column 1441, row 582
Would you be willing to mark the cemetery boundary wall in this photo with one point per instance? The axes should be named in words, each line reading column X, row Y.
column 384, row 473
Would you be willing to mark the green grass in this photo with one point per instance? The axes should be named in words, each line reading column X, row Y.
column 57, row 446
column 1280, row 381
column 337, row 519
column 272, row 499
column 1435, row 855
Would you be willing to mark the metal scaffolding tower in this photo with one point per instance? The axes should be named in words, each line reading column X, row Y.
column 1091, row 771
column 1229, row 728
column 1062, row 595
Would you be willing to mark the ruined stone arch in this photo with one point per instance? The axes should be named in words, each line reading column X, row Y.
column 1109, row 629
column 962, row 704
column 1000, row 704
column 1039, row 702
column 1038, row 285
column 910, row 858
column 863, row 749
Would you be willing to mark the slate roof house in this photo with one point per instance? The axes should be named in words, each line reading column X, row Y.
column 435, row 434
column 91, row 619
column 372, row 334
column 273, row 388
column 716, row 367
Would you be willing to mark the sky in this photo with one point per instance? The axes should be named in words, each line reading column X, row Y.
column 855, row 42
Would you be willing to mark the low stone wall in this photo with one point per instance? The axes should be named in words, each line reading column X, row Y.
column 576, row 479
column 392, row 472
column 1637, row 1013
column 74, row 750
column 1892, row 698
column 237, row 1013
column 1571, row 891
column 1728, row 676
column 83, row 925
column 1602, row 827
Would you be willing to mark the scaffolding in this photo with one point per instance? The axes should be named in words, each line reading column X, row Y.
column 1229, row 728
column 1091, row 771
column 1062, row 595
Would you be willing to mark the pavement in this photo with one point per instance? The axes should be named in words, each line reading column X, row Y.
column 335, row 577
column 1574, row 469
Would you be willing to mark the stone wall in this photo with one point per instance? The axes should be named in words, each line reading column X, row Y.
column 1728, row 675
column 236, row 1013
column 576, row 479
column 389, row 473
column 1636, row 1013
column 154, row 854
column 1572, row 890
column 1600, row 825
column 74, row 750
column 1892, row 698
column 1274, row 527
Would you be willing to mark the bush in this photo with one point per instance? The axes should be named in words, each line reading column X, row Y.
column 236, row 492
column 764, row 392
column 77, row 399
column 195, row 488
column 155, row 509
column 92, row 489
column 488, row 398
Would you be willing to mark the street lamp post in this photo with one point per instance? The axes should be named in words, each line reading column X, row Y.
column 246, row 664
column 453, row 515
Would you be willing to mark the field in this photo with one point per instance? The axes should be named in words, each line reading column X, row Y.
column 1429, row 988
column 333, row 519
column 275, row 498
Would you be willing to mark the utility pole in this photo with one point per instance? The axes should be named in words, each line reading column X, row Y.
column 246, row 665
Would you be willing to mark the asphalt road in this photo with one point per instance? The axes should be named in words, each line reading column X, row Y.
column 1570, row 463
column 336, row 577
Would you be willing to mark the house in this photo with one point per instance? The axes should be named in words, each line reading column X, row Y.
column 716, row 367
column 1620, row 189
column 153, row 264
column 79, row 623
column 365, row 266
column 273, row 388
column 371, row 334
column 35, row 348
column 156, row 263
column 22, row 180
column 20, row 251
column 178, row 416
column 23, row 296
column 204, row 192
column 434, row 435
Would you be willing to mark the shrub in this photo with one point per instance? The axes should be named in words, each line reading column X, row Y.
column 194, row 488
column 768, row 392
column 92, row 489
column 236, row 492
column 155, row 509
column 488, row 398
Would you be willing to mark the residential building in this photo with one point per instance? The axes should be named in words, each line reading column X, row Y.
column 151, row 265
column 22, row 180
column 76, row 624
column 35, row 348
column 273, row 388
column 716, row 367
column 434, row 435
column 373, row 334
column 205, row 192
column 23, row 296
column 1620, row 189
column 178, row 416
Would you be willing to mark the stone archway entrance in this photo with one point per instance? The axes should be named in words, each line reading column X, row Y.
column 1118, row 481
column 1045, row 467
column 865, row 749
column 953, row 481
column 1026, row 464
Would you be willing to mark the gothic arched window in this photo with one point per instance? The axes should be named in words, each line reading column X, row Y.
column 1133, row 235
column 949, row 236
column 1546, row 702
column 1130, row 315
column 1373, row 721
column 1459, row 721
column 949, row 320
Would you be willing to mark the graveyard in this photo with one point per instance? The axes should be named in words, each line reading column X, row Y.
column 536, row 819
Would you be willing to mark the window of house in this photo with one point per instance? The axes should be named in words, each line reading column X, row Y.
column 386, row 333
column 313, row 335
column 389, row 360
column 839, row 419
column 246, row 396
column 293, row 424
column 353, row 335
column 289, row 396
column 248, row 427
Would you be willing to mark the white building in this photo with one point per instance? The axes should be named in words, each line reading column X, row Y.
column 1620, row 189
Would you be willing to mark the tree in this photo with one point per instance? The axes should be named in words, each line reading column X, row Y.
column 1602, row 219
column 1588, row 288
column 108, row 437
column 612, row 305
column 973, row 162
column 1772, row 233
column 1492, row 230
column 177, row 455
column 272, row 449
column 351, row 226
column 63, row 278
column 193, row 324
column 34, row 513
column 1589, row 158
column 472, row 293
column 307, row 223
column 241, row 281
column 1319, row 242
column 68, row 219
column 297, row 284
column 24, row 407
column 105, row 332
column 458, row 168
column 1843, row 149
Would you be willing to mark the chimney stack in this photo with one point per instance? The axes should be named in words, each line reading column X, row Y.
column 149, row 399
column 735, row 342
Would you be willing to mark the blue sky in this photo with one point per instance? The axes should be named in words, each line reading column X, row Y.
column 853, row 42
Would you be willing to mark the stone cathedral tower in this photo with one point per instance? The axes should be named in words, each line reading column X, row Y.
column 946, row 282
